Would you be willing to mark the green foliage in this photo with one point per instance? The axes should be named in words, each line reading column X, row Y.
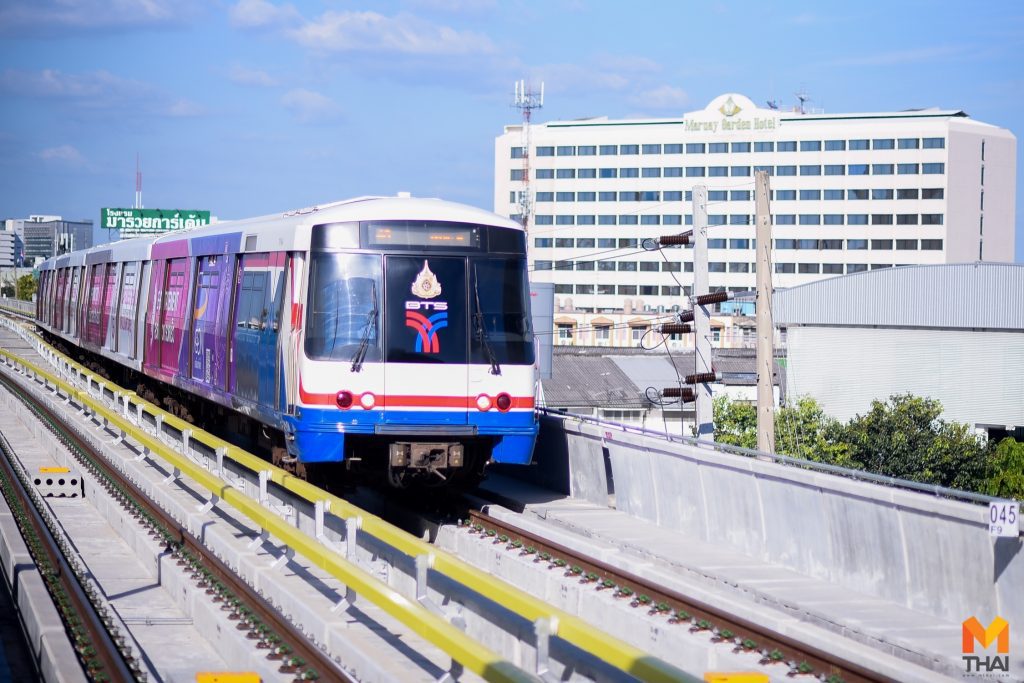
column 1007, row 470
column 26, row 287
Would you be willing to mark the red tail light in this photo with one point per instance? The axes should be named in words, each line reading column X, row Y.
column 344, row 399
column 504, row 402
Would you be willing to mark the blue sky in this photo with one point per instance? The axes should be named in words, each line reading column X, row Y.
column 249, row 107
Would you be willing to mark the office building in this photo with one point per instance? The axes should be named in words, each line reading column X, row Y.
column 46, row 236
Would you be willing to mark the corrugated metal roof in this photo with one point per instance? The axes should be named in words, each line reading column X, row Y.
column 951, row 296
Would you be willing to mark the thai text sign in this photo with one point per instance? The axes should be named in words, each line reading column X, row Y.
column 136, row 222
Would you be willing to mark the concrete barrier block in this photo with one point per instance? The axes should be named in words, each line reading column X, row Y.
column 733, row 509
column 586, row 465
column 796, row 526
column 1008, row 574
column 677, row 486
column 633, row 481
column 867, row 546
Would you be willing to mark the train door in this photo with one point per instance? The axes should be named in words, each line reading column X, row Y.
column 125, row 319
column 111, row 294
column 426, row 320
column 259, row 285
column 172, row 315
column 209, row 342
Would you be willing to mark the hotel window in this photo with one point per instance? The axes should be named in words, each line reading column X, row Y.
column 906, row 169
column 810, row 268
column 694, row 147
column 585, row 242
column 649, row 172
column 650, row 220
column 545, row 151
column 563, row 289
column 833, row 194
column 739, row 244
column 517, row 152
column 606, row 289
column 830, row 244
column 564, row 220
column 857, row 219
column 906, row 245
column 856, row 267
column 627, row 242
column 716, row 266
column 884, row 245
column 810, row 194
column 810, row 145
column 542, row 242
column 935, row 169
column 627, row 290
column 881, row 169
column 764, row 146
column 857, row 169
column 786, row 146
column 608, row 173
column 586, row 150
column 606, row 242
column 832, row 268
column 859, row 144
column 718, row 147
column 651, row 149
column 629, row 266
column 609, row 150
column 739, row 219
column 542, row 265
column 910, row 193
column 606, row 220
column 883, row 143
column 856, row 194
column 785, row 219
column 673, row 148
column 881, row 219
column 564, row 242
column 807, row 244
column 606, row 265
column 545, row 196
column 672, row 219
column 565, row 173
column 602, row 332
column 716, row 219
column 739, row 195
column 673, row 195
column 628, row 219
column 931, row 245
column 584, row 220
column 650, row 196
column 931, row 219
column 785, row 170
column 770, row 170
column 835, row 145
column 856, row 245
column 566, row 151
column 785, row 244
column 687, row 219
column 545, row 173
column 649, row 267
column 909, row 143
column 878, row 193
column 740, row 147
column 629, row 149
column 785, row 195
column 516, row 174
column 629, row 172
column 694, row 171
column 540, row 219
column 565, row 196
column 587, row 173
column 584, row 265
column 739, row 267
column 586, row 196
column 629, row 196
column 835, row 169
column 670, row 267
column 673, row 171
column 717, row 171
column 785, row 267
column 669, row 290
column 606, row 196
column 737, row 171
column 880, row 266
column 906, row 219
column 833, row 219
column 934, row 143
column 810, row 170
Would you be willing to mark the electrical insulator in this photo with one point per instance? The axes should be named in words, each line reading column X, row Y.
column 713, row 298
column 684, row 393
column 686, row 316
column 674, row 240
column 674, row 328
column 703, row 378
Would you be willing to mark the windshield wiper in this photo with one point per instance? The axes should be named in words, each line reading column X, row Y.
column 478, row 326
column 371, row 325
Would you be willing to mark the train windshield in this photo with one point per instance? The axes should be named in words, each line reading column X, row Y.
column 500, row 296
column 345, row 295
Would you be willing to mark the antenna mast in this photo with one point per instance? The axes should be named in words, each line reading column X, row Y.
column 526, row 101
column 138, row 183
column 804, row 98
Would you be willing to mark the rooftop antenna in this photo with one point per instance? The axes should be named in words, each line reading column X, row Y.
column 772, row 104
column 803, row 97
column 526, row 100
column 138, row 183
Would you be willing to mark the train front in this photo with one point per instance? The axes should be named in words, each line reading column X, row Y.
column 418, row 353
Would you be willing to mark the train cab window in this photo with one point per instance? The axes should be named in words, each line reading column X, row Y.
column 345, row 300
column 500, row 298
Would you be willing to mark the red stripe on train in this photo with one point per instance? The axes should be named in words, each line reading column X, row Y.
column 398, row 401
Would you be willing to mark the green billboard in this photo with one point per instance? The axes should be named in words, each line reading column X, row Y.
column 138, row 222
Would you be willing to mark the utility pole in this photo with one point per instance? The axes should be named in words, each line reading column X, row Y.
column 703, row 417
column 765, row 326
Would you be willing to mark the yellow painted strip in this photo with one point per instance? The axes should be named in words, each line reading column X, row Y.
column 618, row 653
column 735, row 677
column 54, row 470
column 227, row 677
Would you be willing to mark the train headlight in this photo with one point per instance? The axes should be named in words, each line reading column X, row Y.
column 483, row 402
column 344, row 399
column 504, row 402
column 367, row 400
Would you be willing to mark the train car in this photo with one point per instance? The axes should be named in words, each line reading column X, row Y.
column 391, row 334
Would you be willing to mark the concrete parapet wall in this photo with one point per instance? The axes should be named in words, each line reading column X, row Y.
column 929, row 554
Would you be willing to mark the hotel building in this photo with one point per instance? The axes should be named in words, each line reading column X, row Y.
column 850, row 192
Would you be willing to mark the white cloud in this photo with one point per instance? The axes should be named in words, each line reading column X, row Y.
column 309, row 106
column 65, row 155
column 456, row 6
column 263, row 14
column 373, row 32
column 185, row 108
column 244, row 76
column 662, row 97
column 898, row 57
column 49, row 16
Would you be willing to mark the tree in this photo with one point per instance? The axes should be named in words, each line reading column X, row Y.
column 735, row 423
column 26, row 287
column 904, row 437
column 1006, row 478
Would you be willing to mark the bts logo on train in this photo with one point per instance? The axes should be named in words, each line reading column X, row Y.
column 426, row 286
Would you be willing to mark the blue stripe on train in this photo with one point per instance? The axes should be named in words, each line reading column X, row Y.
column 319, row 435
